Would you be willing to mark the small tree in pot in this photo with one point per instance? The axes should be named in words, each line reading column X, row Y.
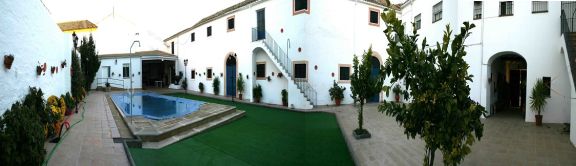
column 257, row 92
column 216, row 86
column 240, row 86
column 201, row 87
column 336, row 93
column 363, row 86
column 284, row 97
column 538, row 100
column 397, row 90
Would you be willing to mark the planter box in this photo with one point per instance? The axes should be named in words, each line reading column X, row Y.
column 361, row 134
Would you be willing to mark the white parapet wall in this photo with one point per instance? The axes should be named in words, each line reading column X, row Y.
column 28, row 33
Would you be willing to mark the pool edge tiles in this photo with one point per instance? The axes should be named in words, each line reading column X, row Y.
column 156, row 134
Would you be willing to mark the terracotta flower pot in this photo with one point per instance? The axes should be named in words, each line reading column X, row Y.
column 538, row 120
column 38, row 70
column 397, row 97
column 338, row 101
column 257, row 100
column 8, row 60
column 285, row 103
column 240, row 96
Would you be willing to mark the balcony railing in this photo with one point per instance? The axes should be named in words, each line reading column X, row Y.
column 279, row 55
column 568, row 17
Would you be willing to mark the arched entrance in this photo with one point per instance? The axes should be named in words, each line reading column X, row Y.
column 231, row 68
column 375, row 71
column 507, row 79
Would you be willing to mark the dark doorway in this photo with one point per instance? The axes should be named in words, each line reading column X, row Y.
column 157, row 73
column 374, row 73
column 508, row 85
column 231, row 76
column 261, row 24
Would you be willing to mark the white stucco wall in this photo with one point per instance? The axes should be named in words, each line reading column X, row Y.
column 523, row 35
column 116, row 69
column 28, row 32
column 330, row 35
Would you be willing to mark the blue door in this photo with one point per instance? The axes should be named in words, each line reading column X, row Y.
column 231, row 76
column 374, row 73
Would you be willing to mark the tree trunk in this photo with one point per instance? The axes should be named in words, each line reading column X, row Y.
column 430, row 157
column 361, row 116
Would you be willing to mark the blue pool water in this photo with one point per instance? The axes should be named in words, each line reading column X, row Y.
column 155, row 106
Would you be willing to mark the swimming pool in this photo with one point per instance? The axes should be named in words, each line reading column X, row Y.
column 154, row 106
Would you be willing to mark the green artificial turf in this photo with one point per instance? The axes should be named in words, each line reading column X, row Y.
column 265, row 136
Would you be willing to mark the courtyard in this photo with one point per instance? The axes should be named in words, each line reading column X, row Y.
column 273, row 136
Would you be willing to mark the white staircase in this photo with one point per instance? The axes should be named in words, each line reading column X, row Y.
column 283, row 63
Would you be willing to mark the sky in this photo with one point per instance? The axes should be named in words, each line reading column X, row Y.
column 161, row 17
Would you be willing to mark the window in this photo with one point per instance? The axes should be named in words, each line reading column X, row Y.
column 417, row 22
column 301, row 70
column 209, row 31
column 344, row 73
column 193, row 74
column 539, row 6
column 192, row 37
column 301, row 6
column 477, row 10
column 437, row 12
column 260, row 70
column 547, row 81
column 209, row 73
column 373, row 14
column 172, row 47
column 125, row 70
column 231, row 23
column 506, row 8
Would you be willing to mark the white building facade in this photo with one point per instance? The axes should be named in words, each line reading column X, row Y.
column 514, row 44
column 312, row 43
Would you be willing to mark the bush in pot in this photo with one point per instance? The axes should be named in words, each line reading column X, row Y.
column 201, row 87
column 257, row 92
column 216, row 86
column 538, row 100
column 397, row 90
column 240, row 86
column 284, row 97
column 336, row 93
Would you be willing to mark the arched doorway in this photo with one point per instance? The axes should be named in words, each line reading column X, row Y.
column 507, row 78
column 374, row 73
column 231, row 68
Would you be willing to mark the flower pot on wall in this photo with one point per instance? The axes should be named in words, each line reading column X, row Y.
column 8, row 60
column 538, row 120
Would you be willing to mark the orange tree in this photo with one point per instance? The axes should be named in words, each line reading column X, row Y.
column 440, row 112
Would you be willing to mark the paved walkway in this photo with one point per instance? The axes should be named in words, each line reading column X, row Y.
column 507, row 140
column 90, row 141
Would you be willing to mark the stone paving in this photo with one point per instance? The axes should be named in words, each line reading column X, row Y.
column 90, row 141
column 507, row 140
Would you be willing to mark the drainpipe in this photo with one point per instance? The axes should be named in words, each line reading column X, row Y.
column 488, row 104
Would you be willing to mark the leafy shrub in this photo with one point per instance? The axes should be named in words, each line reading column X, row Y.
column 284, row 96
column 257, row 91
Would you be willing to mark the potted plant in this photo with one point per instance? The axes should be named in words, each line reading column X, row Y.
column 538, row 100
column 108, row 88
column 336, row 93
column 38, row 70
column 70, row 105
column 201, row 87
column 240, row 86
column 216, row 86
column 257, row 92
column 8, row 60
column 284, row 97
column 397, row 90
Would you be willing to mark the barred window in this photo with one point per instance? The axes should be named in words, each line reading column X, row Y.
column 437, row 12
column 417, row 22
column 477, row 10
column 539, row 6
column 506, row 8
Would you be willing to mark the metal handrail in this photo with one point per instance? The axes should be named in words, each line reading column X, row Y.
column 285, row 62
column 112, row 81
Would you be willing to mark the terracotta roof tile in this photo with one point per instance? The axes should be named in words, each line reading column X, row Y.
column 76, row 25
